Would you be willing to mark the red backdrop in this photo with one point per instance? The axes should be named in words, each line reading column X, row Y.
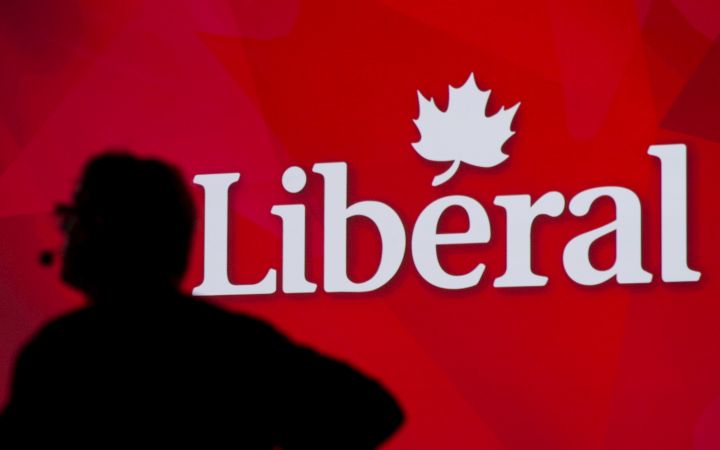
column 254, row 87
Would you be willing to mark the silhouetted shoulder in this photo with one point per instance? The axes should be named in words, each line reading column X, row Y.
column 195, row 372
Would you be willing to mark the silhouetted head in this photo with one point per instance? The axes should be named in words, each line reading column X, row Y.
column 129, row 228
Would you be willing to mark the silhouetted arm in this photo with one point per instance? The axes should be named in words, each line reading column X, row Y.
column 326, row 404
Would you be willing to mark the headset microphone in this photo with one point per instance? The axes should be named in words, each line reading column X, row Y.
column 47, row 257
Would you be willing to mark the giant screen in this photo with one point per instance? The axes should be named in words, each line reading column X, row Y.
column 506, row 212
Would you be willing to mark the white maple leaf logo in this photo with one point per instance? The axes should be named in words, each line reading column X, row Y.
column 463, row 133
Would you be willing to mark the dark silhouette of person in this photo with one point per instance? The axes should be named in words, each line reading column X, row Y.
column 144, row 364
